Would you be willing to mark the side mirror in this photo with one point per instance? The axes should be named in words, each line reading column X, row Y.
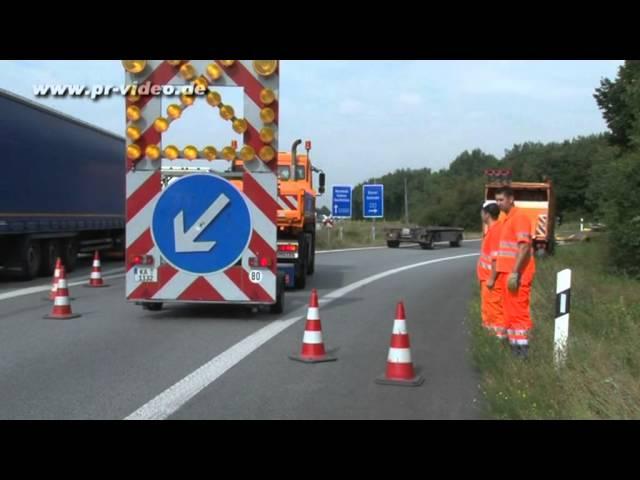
column 322, row 182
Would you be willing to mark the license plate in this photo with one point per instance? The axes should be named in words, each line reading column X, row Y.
column 145, row 274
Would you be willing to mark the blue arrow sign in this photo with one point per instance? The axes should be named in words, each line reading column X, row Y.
column 373, row 201
column 341, row 201
column 201, row 224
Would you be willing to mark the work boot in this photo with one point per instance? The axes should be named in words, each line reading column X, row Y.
column 520, row 351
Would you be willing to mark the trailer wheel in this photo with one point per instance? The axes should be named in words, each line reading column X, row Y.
column 152, row 306
column 70, row 254
column 393, row 243
column 427, row 245
column 457, row 242
column 50, row 253
column 278, row 307
column 30, row 257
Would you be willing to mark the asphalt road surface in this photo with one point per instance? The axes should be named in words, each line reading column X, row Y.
column 217, row 362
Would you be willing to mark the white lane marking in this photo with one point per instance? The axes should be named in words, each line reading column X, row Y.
column 46, row 288
column 172, row 399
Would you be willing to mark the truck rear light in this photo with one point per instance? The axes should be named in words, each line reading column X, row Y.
column 288, row 248
column 142, row 260
column 263, row 262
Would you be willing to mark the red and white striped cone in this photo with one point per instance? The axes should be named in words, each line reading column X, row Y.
column 61, row 305
column 54, row 285
column 313, row 350
column 95, row 280
column 399, row 366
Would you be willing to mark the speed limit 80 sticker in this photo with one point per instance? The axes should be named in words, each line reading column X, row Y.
column 255, row 276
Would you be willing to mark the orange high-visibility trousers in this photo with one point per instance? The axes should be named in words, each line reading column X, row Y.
column 492, row 308
column 516, row 308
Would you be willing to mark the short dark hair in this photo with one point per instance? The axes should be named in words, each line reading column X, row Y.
column 492, row 210
column 506, row 191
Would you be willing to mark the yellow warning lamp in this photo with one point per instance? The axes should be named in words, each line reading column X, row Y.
column 152, row 152
column 187, row 99
column 227, row 63
column 174, row 111
column 265, row 68
column 133, row 132
column 201, row 83
column 190, row 152
column 214, row 71
column 226, row 112
column 134, row 66
column 267, row 153
column 267, row 135
column 171, row 152
column 187, row 71
column 240, row 125
column 267, row 115
column 267, row 96
column 214, row 99
column 133, row 113
column 210, row 153
column 247, row 153
column 161, row 124
column 229, row 153
column 133, row 151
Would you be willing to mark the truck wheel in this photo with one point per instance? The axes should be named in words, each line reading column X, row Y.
column 393, row 243
column 312, row 256
column 70, row 254
column 50, row 253
column 427, row 245
column 31, row 257
column 278, row 307
column 152, row 306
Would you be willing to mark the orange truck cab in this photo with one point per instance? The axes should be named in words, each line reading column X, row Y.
column 297, row 214
column 536, row 199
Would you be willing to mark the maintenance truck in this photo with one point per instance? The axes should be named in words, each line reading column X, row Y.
column 61, row 188
column 297, row 215
column 536, row 199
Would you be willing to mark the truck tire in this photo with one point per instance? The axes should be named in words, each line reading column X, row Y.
column 456, row 243
column 70, row 254
column 393, row 243
column 312, row 255
column 152, row 306
column 278, row 307
column 427, row 245
column 50, row 253
column 30, row 258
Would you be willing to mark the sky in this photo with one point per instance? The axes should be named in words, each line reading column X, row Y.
column 368, row 118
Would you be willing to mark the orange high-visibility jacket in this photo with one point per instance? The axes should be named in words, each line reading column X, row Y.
column 488, row 251
column 516, row 229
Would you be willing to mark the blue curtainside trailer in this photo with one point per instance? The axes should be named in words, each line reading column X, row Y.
column 62, row 188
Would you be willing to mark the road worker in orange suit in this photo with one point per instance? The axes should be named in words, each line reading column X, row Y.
column 516, row 269
column 490, row 290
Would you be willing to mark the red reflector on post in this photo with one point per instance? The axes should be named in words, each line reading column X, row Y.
column 142, row 260
column 265, row 262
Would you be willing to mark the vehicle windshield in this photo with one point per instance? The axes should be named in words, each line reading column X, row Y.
column 284, row 172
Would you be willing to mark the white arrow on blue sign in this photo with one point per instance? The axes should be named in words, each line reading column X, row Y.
column 201, row 224
column 373, row 201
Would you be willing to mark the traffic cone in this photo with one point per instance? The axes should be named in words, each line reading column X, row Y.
column 54, row 285
column 95, row 281
column 61, row 306
column 313, row 350
column 399, row 366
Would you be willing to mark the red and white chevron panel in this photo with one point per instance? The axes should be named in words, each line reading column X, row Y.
column 260, row 189
column 288, row 202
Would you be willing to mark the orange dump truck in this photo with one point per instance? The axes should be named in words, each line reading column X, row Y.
column 536, row 199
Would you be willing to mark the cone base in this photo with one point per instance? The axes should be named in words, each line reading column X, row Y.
column 47, row 299
column 87, row 285
column 62, row 317
column 412, row 382
column 312, row 359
